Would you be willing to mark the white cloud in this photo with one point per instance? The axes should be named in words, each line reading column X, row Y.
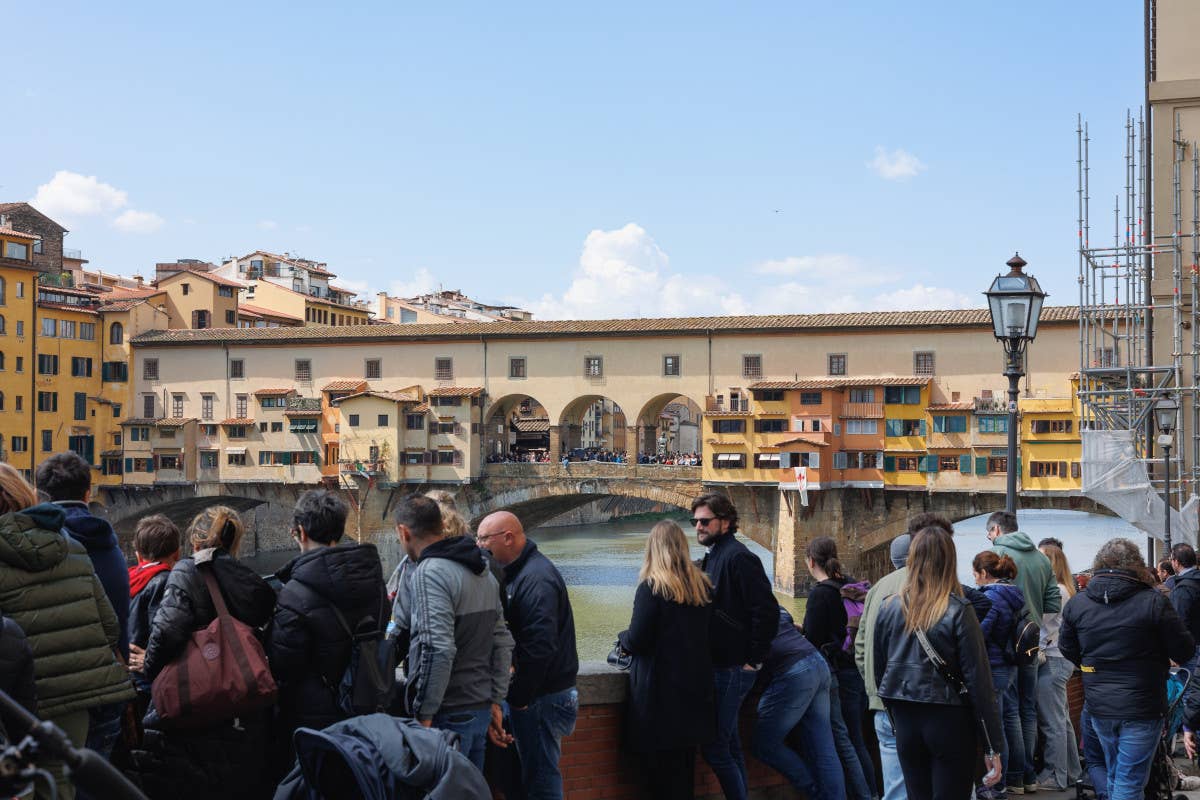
column 69, row 194
column 896, row 165
column 422, row 282
column 624, row 273
column 267, row 225
column 132, row 221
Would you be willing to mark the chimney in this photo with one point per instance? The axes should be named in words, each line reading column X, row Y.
column 140, row 280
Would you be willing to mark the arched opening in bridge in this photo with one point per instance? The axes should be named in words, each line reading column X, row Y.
column 593, row 428
column 668, row 431
column 517, row 428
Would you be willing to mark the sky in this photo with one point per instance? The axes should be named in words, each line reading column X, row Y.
column 582, row 160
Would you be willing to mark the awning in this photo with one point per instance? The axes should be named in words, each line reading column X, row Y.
column 729, row 457
column 236, row 451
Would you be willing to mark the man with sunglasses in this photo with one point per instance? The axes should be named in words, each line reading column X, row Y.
column 745, row 618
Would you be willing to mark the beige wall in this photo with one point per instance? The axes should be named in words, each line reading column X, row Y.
column 1178, row 57
column 202, row 295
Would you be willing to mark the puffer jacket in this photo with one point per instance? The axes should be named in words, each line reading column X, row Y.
column 1122, row 633
column 186, row 606
column 904, row 673
column 48, row 587
column 98, row 537
column 1185, row 597
column 308, row 648
column 1008, row 604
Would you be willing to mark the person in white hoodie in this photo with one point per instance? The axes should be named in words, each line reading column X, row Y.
column 1062, row 767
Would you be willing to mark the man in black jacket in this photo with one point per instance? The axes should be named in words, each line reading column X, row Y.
column 1123, row 635
column 309, row 647
column 745, row 619
column 542, row 699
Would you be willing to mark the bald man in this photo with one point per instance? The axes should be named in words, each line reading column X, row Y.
column 541, row 697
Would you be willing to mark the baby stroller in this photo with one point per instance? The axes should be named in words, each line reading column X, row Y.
column 1163, row 774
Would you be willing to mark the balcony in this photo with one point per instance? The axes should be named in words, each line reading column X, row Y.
column 991, row 405
column 862, row 411
column 740, row 404
column 72, row 254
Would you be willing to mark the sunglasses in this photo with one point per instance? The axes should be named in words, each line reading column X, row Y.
column 702, row 521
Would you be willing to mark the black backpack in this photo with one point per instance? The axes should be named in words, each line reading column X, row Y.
column 1026, row 644
column 369, row 683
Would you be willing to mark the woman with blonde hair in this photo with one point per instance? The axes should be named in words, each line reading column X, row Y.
column 671, row 690
column 234, row 750
column 931, row 667
column 452, row 521
column 1062, row 766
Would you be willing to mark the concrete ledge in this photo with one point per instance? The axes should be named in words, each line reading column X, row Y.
column 600, row 684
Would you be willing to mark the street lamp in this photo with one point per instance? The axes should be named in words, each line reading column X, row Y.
column 1015, row 301
column 1165, row 411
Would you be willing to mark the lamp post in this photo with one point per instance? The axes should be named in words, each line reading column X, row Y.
column 1015, row 302
column 1165, row 410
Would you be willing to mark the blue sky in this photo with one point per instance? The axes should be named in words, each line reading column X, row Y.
column 621, row 159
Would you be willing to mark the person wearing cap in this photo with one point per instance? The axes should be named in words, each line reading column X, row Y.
column 864, row 645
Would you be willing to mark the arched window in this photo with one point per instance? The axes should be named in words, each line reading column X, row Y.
column 116, row 334
column 2, row 330
column 1, row 409
column 1, row 362
column 1, row 291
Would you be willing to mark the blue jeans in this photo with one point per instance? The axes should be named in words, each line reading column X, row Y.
column 724, row 754
column 104, row 728
column 538, row 730
column 1027, row 689
column 1093, row 755
column 889, row 758
column 1008, row 705
column 1129, row 746
column 1062, row 748
column 857, row 787
column 853, row 694
column 799, row 698
column 471, row 727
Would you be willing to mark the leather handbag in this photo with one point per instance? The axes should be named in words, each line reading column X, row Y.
column 619, row 657
column 222, row 674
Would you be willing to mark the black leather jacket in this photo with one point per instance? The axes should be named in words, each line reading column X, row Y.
column 903, row 672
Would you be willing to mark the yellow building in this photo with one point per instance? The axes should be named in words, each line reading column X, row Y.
column 1050, row 444
column 279, row 301
column 906, row 459
column 18, row 291
column 67, row 375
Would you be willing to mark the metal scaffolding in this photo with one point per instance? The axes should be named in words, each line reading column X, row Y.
column 1120, row 379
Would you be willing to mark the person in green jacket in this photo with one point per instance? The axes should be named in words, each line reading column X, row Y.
column 48, row 587
column 1035, row 577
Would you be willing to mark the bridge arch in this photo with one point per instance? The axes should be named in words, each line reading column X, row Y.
column 516, row 426
column 594, row 421
column 677, row 432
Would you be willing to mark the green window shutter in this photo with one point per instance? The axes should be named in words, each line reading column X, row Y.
column 928, row 464
column 287, row 458
column 150, row 464
column 893, row 427
column 889, row 462
column 129, row 465
column 939, row 424
column 316, row 458
column 981, row 466
column 922, row 428
column 964, row 464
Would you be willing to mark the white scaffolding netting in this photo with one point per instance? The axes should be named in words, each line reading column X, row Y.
column 1115, row 478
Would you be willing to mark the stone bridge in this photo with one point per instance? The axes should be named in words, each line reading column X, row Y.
column 863, row 521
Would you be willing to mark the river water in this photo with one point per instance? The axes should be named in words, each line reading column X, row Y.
column 600, row 562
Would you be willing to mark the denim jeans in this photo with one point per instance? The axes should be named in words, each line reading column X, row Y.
column 1093, row 755
column 1027, row 689
column 1062, row 748
column 538, row 730
column 799, row 698
column 853, row 693
column 724, row 754
column 1129, row 746
column 471, row 727
column 1008, row 706
column 857, row 787
column 104, row 728
column 889, row 758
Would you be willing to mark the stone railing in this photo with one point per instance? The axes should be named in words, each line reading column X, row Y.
column 592, row 469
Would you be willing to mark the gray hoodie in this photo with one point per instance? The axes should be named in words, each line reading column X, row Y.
column 460, row 650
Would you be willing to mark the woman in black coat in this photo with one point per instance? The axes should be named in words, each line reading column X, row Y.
column 228, row 760
column 671, row 686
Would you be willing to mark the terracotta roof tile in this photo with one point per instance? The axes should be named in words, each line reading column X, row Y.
column 250, row 308
column 965, row 406
column 245, row 312
column 396, row 396
column 345, row 386
column 7, row 231
column 282, row 392
column 797, row 323
column 217, row 279
column 120, row 305
column 532, row 425
column 138, row 421
column 803, row 440
column 455, row 391
column 237, row 421
column 843, row 382
column 69, row 307
column 174, row 422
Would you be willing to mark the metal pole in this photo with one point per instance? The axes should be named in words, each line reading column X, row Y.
column 1167, row 498
column 1014, row 387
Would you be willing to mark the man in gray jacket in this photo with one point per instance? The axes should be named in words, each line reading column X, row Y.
column 460, row 649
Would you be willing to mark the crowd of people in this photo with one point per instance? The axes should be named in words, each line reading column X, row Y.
column 959, row 682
